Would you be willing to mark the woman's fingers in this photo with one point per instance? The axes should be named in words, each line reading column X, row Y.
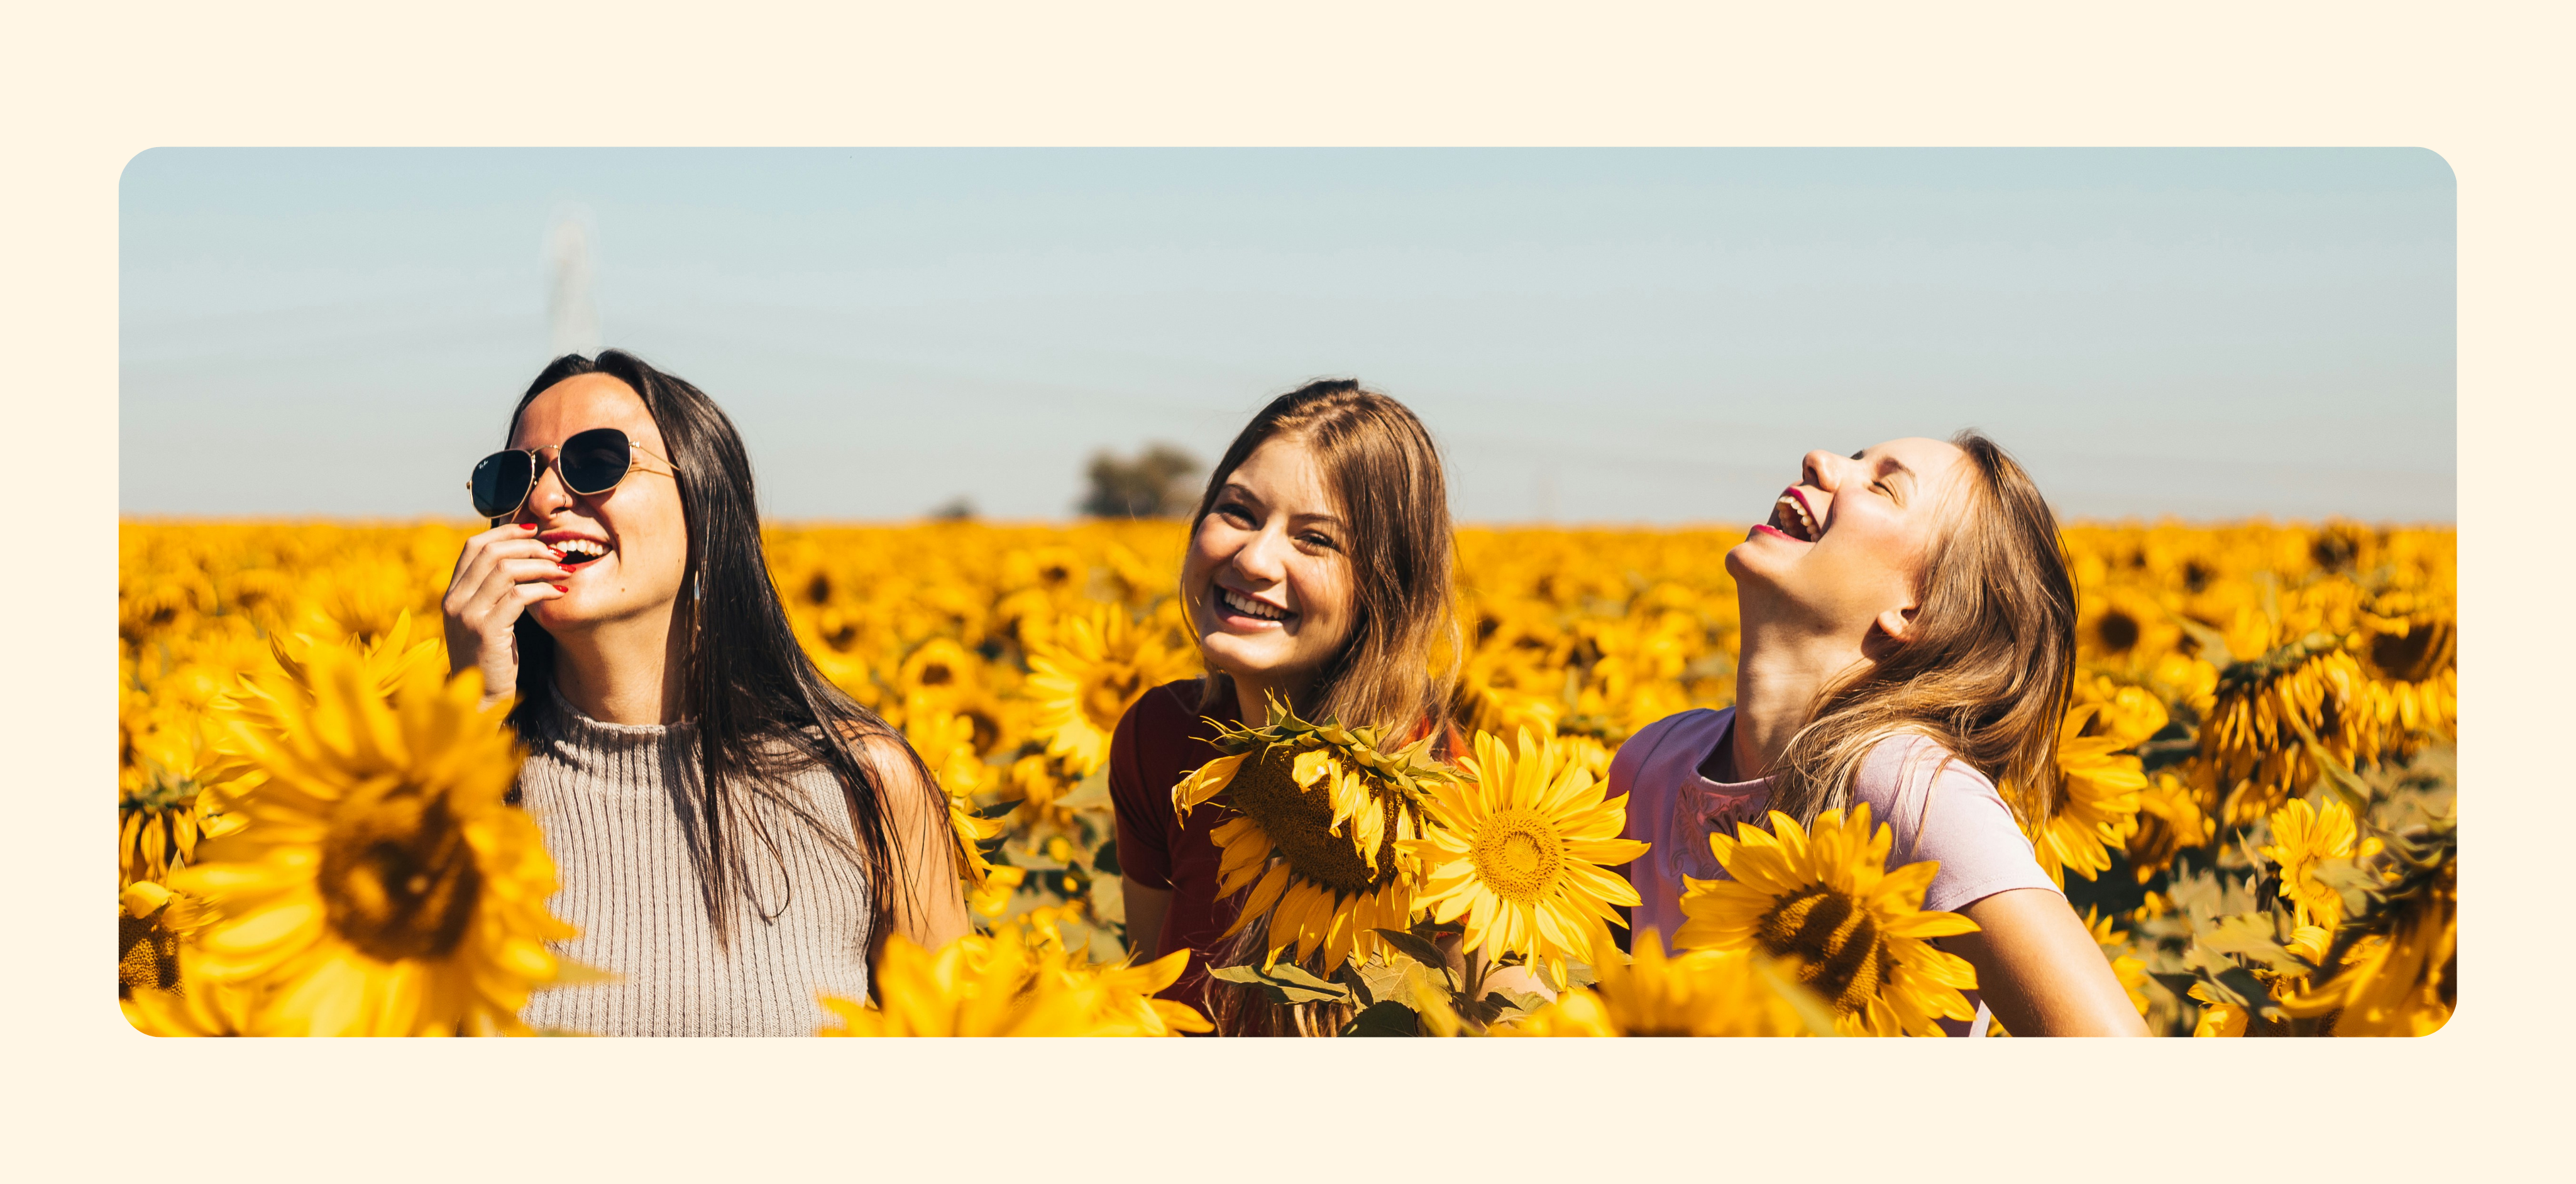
column 492, row 546
column 499, row 573
column 497, row 603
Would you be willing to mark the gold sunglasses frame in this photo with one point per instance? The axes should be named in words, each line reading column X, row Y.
column 542, row 459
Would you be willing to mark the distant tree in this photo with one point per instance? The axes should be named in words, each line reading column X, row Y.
column 960, row 508
column 1160, row 482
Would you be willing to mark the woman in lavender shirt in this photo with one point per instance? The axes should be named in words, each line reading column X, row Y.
column 1909, row 642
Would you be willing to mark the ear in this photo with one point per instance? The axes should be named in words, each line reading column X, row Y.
column 1897, row 624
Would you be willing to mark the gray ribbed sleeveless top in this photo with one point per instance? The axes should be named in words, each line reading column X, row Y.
column 611, row 799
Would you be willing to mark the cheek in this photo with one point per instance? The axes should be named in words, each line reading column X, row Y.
column 1324, row 593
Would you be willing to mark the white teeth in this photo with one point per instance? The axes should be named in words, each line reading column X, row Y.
column 1248, row 606
column 1807, row 524
column 581, row 547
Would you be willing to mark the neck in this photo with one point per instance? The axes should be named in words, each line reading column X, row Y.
column 1252, row 694
column 622, row 672
column 1780, row 673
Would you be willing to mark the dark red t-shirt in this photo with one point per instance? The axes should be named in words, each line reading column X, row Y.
column 1161, row 740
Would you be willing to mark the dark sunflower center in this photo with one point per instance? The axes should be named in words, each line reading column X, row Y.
column 1112, row 686
column 1835, row 942
column 1517, row 855
column 398, row 877
column 1299, row 823
column 2414, row 657
column 2117, row 631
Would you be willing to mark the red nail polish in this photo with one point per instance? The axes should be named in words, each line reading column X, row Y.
column 565, row 566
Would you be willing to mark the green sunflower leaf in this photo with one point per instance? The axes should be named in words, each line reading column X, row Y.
column 1419, row 949
column 1389, row 1018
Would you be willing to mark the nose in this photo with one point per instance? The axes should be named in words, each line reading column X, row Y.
column 1823, row 470
column 549, row 494
column 1261, row 558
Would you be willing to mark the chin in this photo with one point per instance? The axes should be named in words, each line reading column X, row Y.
column 1227, row 655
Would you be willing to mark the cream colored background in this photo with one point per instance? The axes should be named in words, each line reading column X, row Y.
column 87, row 89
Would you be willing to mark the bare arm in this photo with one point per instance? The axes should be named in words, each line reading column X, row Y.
column 1146, row 908
column 2039, row 970
column 930, row 903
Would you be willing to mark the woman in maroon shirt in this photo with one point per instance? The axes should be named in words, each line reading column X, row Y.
column 1318, row 572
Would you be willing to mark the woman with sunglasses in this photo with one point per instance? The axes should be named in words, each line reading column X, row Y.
column 733, row 834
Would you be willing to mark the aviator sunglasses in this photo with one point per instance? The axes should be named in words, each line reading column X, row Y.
column 590, row 463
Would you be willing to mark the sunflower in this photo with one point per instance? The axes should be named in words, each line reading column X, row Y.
column 2255, row 744
column 1706, row 993
column 1009, row 984
column 2303, row 839
column 203, row 1008
column 1322, row 814
column 2170, row 818
column 152, row 925
column 2124, row 628
column 1519, row 849
column 939, row 675
column 946, row 744
column 2398, row 970
column 2218, row 1019
column 2097, row 805
column 1856, row 930
column 173, row 795
column 380, row 886
column 1127, row 990
column 2414, row 673
column 1098, row 666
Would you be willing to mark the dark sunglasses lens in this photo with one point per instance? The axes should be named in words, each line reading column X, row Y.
column 593, row 461
column 501, row 483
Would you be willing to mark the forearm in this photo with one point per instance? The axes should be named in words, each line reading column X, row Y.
column 2039, row 970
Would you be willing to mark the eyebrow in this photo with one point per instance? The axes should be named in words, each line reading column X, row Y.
column 1238, row 489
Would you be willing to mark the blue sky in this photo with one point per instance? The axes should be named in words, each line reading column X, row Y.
column 1593, row 335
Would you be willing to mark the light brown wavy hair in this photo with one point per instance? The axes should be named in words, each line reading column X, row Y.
column 1989, row 665
column 1401, row 661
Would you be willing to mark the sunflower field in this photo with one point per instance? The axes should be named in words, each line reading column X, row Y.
column 2257, row 819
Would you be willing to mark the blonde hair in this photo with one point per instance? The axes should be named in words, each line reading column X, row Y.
column 1985, row 672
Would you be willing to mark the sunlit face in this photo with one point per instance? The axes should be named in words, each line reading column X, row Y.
column 641, row 536
column 1846, row 545
column 1268, row 578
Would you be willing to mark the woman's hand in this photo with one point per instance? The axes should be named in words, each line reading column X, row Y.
column 2039, row 970
column 499, row 574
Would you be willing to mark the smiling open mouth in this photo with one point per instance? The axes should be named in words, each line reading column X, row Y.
column 1789, row 516
column 1244, row 606
column 576, row 552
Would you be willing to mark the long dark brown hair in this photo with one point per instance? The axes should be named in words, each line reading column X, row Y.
column 1985, row 672
column 758, row 707
column 1400, row 664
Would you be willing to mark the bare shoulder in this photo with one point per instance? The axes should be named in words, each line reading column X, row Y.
column 889, row 759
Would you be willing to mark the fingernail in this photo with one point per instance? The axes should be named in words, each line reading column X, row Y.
column 564, row 566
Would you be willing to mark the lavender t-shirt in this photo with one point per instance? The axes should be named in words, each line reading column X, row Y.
column 1940, row 808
